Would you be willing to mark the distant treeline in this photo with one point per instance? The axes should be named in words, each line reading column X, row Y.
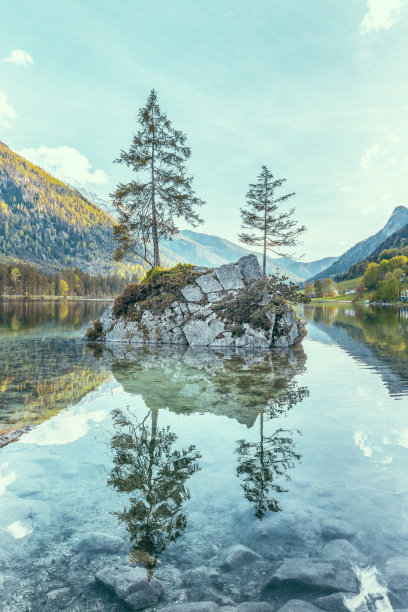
column 25, row 279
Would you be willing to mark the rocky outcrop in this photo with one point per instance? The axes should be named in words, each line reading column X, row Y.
column 224, row 307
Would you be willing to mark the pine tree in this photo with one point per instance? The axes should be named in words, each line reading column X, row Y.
column 148, row 207
column 271, row 229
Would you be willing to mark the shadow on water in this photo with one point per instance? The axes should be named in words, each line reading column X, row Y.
column 252, row 388
column 374, row 335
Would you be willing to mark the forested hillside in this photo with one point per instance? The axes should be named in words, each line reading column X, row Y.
column 394, row 245
column 365, row 248
column 46, row 222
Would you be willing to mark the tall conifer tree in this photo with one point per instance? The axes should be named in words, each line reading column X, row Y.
column 271, row 229
column 161, row 193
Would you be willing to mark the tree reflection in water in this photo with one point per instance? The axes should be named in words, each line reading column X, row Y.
column 262, row 465
column 248, row 387
column 154, row 475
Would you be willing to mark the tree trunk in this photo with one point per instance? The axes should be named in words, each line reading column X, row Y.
column 264, row 246
column 156, row 253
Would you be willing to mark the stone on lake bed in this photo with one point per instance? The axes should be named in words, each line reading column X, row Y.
column 131, row 585
column 200, row 575
column 59, row 597
column 336, row 528
column 304, row 573
column 194, row 606
column 297, row 605
column 336, row 602
column 238, row 555
column 396, row 573
column 99, row 543
column 341, row 550
column 255, row 606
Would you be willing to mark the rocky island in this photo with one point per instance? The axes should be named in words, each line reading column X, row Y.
column 230, row 306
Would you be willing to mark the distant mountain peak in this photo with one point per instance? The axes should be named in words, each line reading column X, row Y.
column 364, row 248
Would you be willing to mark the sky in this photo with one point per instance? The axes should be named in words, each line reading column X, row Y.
column 317, row 90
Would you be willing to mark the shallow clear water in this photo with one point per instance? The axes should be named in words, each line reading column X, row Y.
column 185, row 454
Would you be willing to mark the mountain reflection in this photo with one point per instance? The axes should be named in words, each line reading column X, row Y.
column 153, row 474
column 376, row 336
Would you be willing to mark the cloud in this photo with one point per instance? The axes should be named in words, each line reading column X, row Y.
column 7, row 111
column 67, row 164
column 19, row 58
column 64, row 428
column 368, row 158
column 381, row 14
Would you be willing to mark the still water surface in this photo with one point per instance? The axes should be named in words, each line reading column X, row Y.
column 183, row 457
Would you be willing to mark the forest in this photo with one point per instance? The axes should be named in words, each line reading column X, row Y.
column 22, row 279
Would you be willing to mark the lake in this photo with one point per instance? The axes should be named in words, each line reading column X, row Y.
column 179, row 475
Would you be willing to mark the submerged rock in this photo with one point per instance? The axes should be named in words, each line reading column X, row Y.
column 227, row 307
column 132, row 585
column 201, row 575
column 255, row 606
column 302, row 572
column 195, row 606
column 99, row 543
column 336, row 602
column 238, row 555
column 297, row 605
column 396, row 573
column 336, row 528
column 341, row 550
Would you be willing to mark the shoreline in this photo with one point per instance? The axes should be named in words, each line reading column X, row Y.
column 54, row 298
column 15, row 434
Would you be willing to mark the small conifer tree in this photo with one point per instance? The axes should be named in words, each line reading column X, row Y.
column 270, row 228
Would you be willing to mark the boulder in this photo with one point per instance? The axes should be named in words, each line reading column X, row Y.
column 59, row 598
column 192, row 293
column 336, row 528
column 249, row 267
column 202, row 333
column 203, row 313
column 396, row 573
column 131, row 585
column 302, row 573
column 230, row 277
column 208, row 283
column 237, row 556
column 195, row 606
column 255, row 606
column 297, row 605
column 201, row 575
column 341, row 550
column 336, row 602
column 99, row 543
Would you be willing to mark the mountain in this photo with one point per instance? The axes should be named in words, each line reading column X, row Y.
column 54, row 226
column 363, row 249
column 210, row 250
column 303, row 269
column 47, row 223
column 397, row 240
